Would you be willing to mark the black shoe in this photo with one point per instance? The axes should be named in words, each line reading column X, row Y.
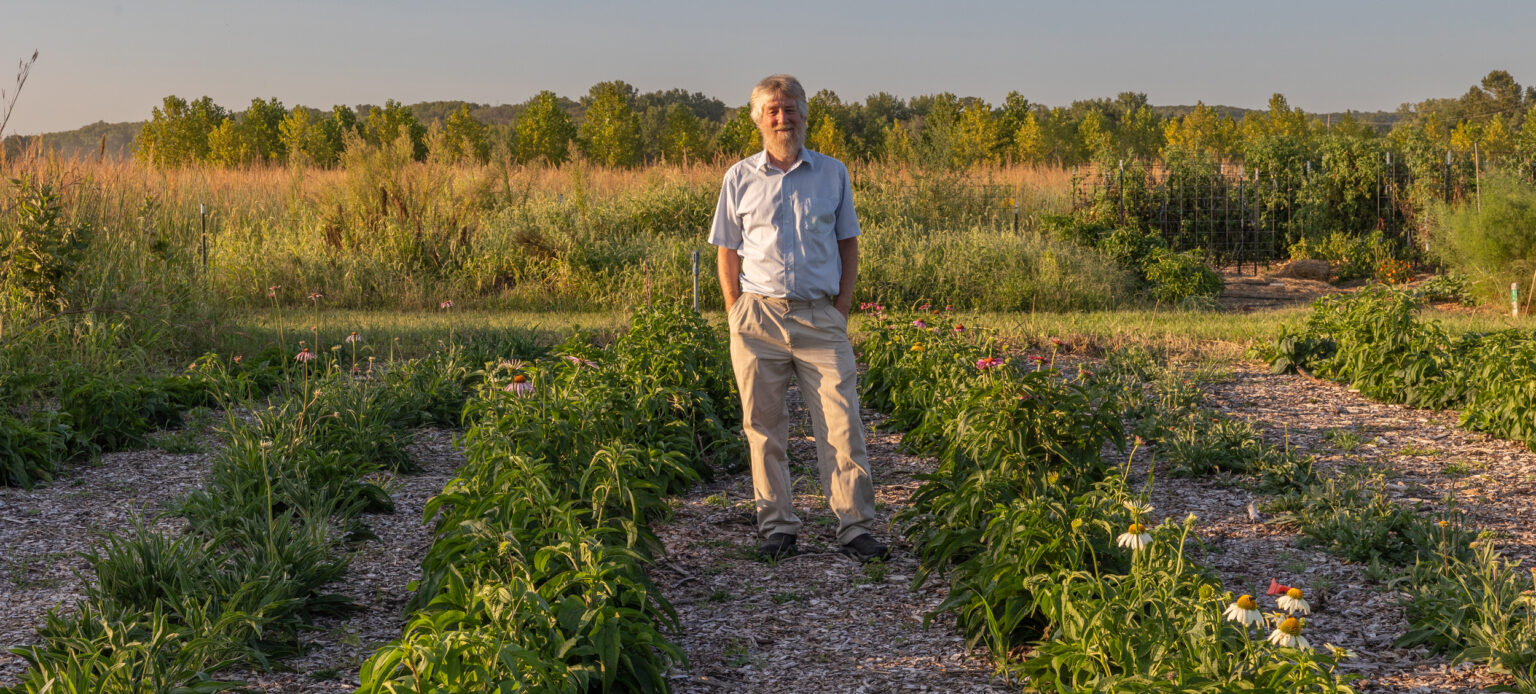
column 777, row 546
column 866, row 548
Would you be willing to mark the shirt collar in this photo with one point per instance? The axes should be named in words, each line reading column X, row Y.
column 807, row 159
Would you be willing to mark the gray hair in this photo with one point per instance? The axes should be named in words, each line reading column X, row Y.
column 781, row 86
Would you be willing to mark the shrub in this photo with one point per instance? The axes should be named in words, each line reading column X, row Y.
column 1491, row 243
column 1181, row 278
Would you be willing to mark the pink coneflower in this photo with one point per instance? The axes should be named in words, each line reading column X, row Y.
column 959, row 329
column 316, row 296
column 353, row 338
column 519, row 385
column 304, row 356
column 919, row 323
column 579, row 361
column 924, row 307
column 446, row 304
column 272, row 291
column 988, row 362
column 948, row 307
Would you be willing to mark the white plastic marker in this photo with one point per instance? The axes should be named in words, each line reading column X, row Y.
column 1514, row 299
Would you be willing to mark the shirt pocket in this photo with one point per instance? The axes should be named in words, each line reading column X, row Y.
column 819, row 215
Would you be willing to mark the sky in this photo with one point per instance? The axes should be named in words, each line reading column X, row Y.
column 116, row 61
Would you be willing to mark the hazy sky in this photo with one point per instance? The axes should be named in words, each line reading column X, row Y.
column 115, row 61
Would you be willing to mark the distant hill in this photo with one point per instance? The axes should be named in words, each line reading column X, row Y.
column 1382, row 121
column 111, row 140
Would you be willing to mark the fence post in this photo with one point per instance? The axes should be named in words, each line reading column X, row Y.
column 695, row 281
column 202, row 214
column 1121, row 185
column 1447, row 176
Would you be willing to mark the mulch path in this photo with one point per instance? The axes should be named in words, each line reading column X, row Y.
column 819, row 621
column 1425, row 459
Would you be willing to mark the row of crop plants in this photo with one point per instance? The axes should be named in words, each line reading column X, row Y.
column 236, row 584
column 1050, row 560
column 1466, row 600
column 535, row 578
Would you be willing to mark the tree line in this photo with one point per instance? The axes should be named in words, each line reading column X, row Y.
column 616, row 125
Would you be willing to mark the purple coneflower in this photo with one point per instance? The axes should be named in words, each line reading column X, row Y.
column 519, row 385
column 353, row 338
column 988, row 362
column 919, row 323
column 446, row 304
column 304, row 356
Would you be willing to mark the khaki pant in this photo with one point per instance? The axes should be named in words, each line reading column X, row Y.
column 771, row 338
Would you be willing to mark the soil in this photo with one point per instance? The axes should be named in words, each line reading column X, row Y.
column 1251, row 288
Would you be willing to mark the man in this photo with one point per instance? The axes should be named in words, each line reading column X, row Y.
column 788, row 256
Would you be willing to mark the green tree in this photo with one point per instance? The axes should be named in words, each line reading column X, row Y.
column 1060, row 139
column 828, row 139
column 464, row 138
column 229, row 146
column 899, row 145
column 1525, row 141
column 394, row 121
column 1094, row 131
column 309, row 138
column 1141, row 133
column 260, row 127
column 940, row 120
column 976, row 136
column 739, row 138
column 543, row 132
column 177, row 132
column 610, row 132
column 1009, row 118
column 682, row 137
column 1029, row 146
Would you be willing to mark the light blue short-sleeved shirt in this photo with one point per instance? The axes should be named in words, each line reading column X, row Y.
column 786, row 224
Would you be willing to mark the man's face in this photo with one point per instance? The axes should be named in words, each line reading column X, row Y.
column 782, row 126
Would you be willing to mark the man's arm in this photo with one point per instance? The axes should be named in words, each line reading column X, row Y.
column 848, row 250
column 728, row 266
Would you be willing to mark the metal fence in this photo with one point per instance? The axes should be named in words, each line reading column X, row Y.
column 1235, row 215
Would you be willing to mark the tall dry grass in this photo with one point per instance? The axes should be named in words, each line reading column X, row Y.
column 384, row 231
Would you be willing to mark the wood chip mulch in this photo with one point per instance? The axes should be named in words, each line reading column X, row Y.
column 44, row 531
column 820, row 622
column 1426, row 460
column 816, row 622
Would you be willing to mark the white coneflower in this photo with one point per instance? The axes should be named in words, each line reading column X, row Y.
column 1244, row 611
column 1288, row 635
column 1135, row 537
column 1292, row 602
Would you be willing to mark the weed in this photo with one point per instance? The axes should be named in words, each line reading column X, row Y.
column 1345, row 440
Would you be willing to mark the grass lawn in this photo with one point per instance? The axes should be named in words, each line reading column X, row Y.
column 413, row 333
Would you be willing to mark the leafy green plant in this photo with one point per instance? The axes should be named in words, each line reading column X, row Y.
column 41, row 249
column 31, row 449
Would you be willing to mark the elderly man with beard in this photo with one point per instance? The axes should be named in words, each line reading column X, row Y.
column 788, row 255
